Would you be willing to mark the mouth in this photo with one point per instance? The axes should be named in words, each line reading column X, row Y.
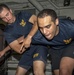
column 48, row 36
column 10, row 21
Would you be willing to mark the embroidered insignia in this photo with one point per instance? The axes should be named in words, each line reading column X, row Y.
column 23, row 23
column 67, row 41
column 35, row 55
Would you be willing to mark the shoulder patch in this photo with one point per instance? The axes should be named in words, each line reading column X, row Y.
column 67, row 41
column 35, row 55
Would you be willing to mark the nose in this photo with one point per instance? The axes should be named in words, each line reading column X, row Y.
column 44, row 31
column 7, row 18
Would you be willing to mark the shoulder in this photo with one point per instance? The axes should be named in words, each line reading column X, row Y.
column 66, row 22
column 67, row 25
column 24, row 14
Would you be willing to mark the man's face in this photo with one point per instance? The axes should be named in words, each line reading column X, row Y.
column 7, row 16
column 47, row 27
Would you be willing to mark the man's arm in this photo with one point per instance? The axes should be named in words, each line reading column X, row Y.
column 16, row 44
column 4, row 51
column 19, row 40
column 27, row 40
column 33, row 20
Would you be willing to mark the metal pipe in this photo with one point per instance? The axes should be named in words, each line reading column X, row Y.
column 59, row 7
column 36, row 4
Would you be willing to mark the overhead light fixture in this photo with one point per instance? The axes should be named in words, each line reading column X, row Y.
column 66, row 2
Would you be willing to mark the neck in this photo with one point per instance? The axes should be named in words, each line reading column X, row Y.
column 57, row 30
column 14, row 18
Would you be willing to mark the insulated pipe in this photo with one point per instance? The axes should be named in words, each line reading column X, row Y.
column 60, row 7
column 36, row 4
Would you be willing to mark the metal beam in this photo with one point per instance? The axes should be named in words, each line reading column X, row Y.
column 36, row 4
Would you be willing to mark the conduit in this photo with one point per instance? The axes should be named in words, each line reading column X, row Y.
column 60, row 7
column 36, row 4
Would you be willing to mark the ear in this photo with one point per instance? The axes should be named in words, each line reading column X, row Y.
column 57, row 21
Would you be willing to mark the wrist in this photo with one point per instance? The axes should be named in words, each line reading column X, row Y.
column 30, row 36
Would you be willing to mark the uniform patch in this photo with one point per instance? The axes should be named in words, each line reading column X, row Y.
column 23, row 23
column 35, row 55
column 67, row 41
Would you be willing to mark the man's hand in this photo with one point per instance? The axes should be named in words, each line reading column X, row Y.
column 26, row 43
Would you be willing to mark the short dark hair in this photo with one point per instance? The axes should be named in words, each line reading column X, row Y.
column 3, row 6
column 48, row 12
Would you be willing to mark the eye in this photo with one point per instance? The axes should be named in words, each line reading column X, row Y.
column 48, row 26
column 7, row 14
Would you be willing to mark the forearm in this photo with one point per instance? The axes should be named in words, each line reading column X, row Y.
column 27, row 41
column 6, row 49
column 17, row 49
column 33, row 30
column 33, row 20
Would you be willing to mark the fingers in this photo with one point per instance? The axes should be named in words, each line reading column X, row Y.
column 21, row 41
column 23, row 49
column 26, row 46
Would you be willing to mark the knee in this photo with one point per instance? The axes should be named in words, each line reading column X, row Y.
column 38, row 72
column 39, row 68
column 64, row 71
